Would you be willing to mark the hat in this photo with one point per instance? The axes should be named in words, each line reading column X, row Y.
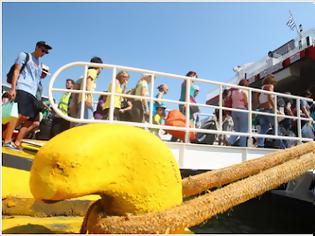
column 45, row 69
column 43, row 44
column 96, row 60
column 147, row 75
column 196, row 87
column 160, row 106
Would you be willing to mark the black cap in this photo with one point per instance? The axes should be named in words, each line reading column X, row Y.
column 43, row 44
column 96, row 60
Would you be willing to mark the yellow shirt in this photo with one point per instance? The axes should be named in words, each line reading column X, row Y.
column 117, row 102
column 92, row 73
column 140, row 85
column 157, row 119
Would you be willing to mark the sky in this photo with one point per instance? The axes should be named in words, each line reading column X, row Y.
column 209, row 38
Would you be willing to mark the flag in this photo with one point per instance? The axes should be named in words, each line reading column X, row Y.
column 291, row 23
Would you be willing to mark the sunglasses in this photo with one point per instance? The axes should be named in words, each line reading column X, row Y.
column 44, row 51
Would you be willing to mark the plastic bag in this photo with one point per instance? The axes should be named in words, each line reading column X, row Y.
column 9, row 112
column 307, row 131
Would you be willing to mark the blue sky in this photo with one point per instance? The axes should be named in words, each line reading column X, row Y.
column 210, row 38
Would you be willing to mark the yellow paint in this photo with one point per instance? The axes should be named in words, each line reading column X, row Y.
column 27, row 224
column 18, row 153
column 15, row 183
column 132, row 169
column 35, row 142
column 30, row 147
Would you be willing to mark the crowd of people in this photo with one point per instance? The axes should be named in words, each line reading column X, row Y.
column 266, row 103
column 26, row 91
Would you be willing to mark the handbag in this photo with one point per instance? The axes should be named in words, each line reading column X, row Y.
column 9, row 112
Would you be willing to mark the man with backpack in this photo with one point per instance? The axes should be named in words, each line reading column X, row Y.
column 24, row 77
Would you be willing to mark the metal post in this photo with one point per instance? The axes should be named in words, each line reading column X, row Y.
column 276, row 116
column 249, row 104
column 151, row 99
column 299, row 119
column 112, row 97
column 83, row 93
column 187, row 104
column 220, row 107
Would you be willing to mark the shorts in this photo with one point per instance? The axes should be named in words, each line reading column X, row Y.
column 27, row 104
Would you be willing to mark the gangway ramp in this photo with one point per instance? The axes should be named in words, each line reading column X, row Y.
column 211, row 157
column 188, row 155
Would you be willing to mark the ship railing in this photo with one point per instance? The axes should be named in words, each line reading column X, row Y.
column 187, row 129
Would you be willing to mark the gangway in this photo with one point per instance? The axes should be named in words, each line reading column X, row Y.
column 188, row 155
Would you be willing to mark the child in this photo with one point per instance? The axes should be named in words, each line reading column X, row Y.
column 158, row 118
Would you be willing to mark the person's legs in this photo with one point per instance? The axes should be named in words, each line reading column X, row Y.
column 116, row 114
column 265, row 124
column 235, row 118
column 137, row 112
column 243, row 126
column 26, row 128
column 27, row 108
column 11, row 126
column 88, row 113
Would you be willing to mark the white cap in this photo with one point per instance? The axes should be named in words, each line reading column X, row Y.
column 196, row 87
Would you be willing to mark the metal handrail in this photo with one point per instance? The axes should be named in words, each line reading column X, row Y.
column 187, row 102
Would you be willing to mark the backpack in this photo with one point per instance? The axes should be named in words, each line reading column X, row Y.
column 10, row 73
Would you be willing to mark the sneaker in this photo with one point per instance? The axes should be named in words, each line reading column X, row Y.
column 12, row 146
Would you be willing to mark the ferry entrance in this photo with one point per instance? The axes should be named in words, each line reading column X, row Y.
column 189, row 155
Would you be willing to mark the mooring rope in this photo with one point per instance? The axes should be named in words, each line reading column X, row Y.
column 197, row 184
column 197, row 210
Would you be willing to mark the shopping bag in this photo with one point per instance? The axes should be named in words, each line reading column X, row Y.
column 307, row 131
column 9, row 112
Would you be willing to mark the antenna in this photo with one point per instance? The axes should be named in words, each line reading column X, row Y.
column 291, row 24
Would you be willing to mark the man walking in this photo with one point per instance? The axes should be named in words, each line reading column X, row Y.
column 24, row 87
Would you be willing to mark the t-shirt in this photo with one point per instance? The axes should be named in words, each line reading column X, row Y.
column 142, row 84
column 238, row 100
column 183, row 91
column 29, row 78
column 117, row 102
column 156, row 104
column 157, row 119
column 304, row 103
column 92, row 73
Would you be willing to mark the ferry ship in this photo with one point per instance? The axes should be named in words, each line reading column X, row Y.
column 292, row 64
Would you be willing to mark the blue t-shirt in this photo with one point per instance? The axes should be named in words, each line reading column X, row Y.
column 156, row 104
column 183, row 91
column 29, row 78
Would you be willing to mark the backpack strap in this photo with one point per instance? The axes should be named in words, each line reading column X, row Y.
column 26, row 61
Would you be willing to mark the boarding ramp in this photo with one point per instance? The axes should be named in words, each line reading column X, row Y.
column 187, row 154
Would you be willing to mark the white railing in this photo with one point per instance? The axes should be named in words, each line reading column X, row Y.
column 187, row 102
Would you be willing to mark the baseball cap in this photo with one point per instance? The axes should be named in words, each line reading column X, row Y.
column 161, row 106
column 43, row 44
column 96, row 60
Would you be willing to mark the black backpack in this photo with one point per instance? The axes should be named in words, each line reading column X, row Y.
column 10, row 73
